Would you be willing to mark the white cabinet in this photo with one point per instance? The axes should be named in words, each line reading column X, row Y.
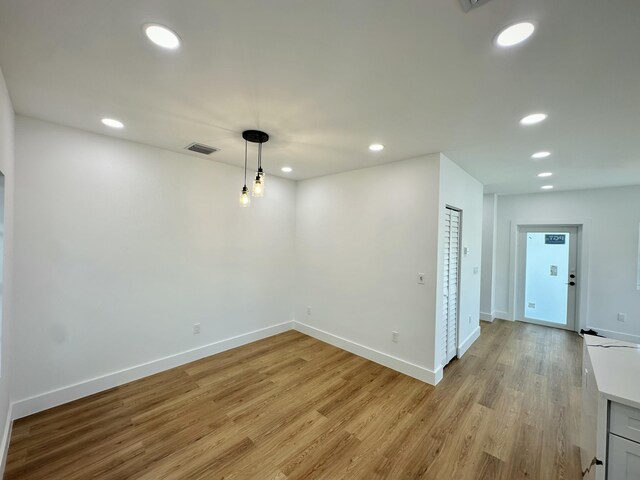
column 624, row 459
column 624, row 421
column 610, row 424
column 593, row 431
column 623, row 456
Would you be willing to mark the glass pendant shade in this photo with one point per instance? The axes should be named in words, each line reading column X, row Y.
column 245, row 199
column 258, row 187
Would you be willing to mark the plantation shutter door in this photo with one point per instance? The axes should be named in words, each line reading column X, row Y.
column 449, row 340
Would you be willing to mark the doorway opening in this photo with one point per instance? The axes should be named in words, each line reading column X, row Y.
column 548, row 275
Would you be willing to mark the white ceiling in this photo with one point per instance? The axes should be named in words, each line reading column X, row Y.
column 327, row 78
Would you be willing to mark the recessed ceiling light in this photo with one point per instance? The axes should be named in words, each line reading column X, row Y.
column 545, row 174
column 162, row 36
column 376, row 147
column 546, row 187
column 541, row 155
column 113, row 123
column 515, row 34
column 287, row 169
column 533, row 118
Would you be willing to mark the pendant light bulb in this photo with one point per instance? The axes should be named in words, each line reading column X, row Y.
column 258, row 183
column 258, row 186
column 245, row 199
column 261, row 175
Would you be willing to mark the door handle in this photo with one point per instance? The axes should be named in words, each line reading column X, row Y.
column 571, row 283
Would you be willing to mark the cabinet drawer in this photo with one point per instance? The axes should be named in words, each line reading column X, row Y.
column 625, row 421
column 624, row 459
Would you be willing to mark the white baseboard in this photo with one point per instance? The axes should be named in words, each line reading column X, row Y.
column 464, row 346
column 438, row 374
column 626, row 337
column 6, row 437
column 53, row 398
column 503, row 315
column 31, row 405
column 395, row 363
column 487, row 317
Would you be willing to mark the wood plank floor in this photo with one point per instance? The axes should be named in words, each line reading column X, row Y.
column 291, row 407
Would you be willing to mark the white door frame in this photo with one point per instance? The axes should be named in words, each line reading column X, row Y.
column 572, row 293
column 582, row 293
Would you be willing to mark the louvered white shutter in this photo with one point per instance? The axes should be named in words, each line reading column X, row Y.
column 449, row 334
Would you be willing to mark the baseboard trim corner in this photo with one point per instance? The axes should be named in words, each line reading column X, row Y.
column 44, row 401
column 395, row 363
column 487, row 317
column 438, row 374
column 464, row 346
column 503, row 315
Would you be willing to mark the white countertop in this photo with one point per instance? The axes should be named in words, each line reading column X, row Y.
column 616, row 366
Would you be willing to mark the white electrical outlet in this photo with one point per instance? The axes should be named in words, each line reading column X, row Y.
column 394, row 337
column 476, row 270
column 196, row 328
column 421, row 278
column 308, row 310
column 622, row 317
column 469, row 319
column 532, row 305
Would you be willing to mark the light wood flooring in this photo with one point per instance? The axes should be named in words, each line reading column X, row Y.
column 291, row 407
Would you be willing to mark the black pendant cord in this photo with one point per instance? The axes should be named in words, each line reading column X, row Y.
column 260, row 156
column 245, row 164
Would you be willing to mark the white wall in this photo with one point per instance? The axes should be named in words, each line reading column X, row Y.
column 487, row 280
column 460, row 190
column 612, row 249
column 121, row 248
column 7, row 168
column 361, row 239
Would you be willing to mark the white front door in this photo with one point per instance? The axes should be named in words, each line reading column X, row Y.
column 548, row 275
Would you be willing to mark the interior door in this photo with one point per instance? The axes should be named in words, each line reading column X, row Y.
column 548, row 275
column 451, row 276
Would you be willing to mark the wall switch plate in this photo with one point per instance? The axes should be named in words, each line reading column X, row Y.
column 196, row 328
column 476, row 270
column 308, row 310
column 622, row 317
column 465, row 250
column 469, row 319
column 421, row 278
column 394, row 337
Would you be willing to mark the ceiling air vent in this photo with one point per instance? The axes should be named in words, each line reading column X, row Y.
column 200, row 148
column 469, row 4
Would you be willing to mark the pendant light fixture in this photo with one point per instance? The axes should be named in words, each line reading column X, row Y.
column 253, row 136
column 245, row 199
